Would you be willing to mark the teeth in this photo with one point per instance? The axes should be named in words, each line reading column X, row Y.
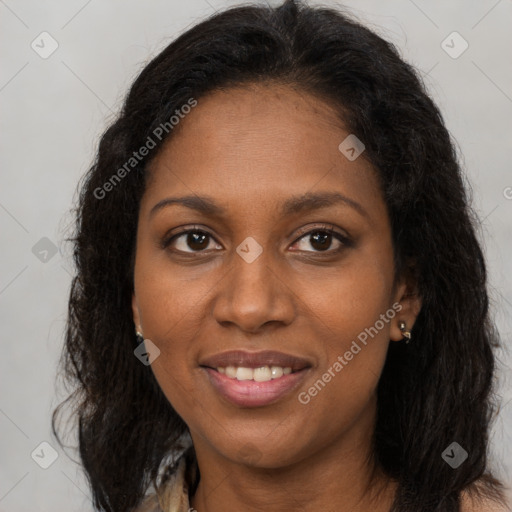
column 231, row 372
column 275, row 372
column 244, row 373
column 261, row 374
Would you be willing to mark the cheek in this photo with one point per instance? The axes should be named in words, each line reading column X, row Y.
column 169, row 307
column 169, row 298
column 351, row 298
column 354, row 312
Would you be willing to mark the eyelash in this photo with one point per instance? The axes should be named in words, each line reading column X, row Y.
column 329, row 229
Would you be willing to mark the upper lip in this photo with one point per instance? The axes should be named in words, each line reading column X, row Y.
column 255, row 360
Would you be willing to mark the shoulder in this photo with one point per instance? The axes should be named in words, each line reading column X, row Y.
column 472, row 501
column 483, row 505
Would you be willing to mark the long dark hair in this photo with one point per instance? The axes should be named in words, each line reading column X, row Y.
column 432, row 392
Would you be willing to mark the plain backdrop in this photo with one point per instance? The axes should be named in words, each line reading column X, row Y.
column 53, row 112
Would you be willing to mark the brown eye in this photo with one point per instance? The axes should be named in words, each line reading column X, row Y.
column 189, row 241
column 321, row 240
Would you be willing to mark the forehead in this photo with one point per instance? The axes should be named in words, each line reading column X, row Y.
column 259, row 144
column 256, row 117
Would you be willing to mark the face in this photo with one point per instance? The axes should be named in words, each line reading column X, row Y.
column 258, row 266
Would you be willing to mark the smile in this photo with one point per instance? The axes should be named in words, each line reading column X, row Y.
column 261, row 374
column 245, row 390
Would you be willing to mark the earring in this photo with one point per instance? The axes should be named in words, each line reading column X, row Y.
column 406, row 334
column 140, row 337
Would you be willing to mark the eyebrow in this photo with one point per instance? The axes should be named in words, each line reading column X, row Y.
column 306, row 202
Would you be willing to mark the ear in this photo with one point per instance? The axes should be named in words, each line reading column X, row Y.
column 407, row 295
column 136, row 313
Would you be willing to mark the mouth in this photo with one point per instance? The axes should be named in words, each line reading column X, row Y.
column 259, row 374
column 254, row 360
column 254, row 379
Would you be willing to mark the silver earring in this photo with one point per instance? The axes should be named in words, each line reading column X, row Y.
column 140, row 337
column 405, row 333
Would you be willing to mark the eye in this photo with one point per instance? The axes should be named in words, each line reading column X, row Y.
column 195, row 239
column 321, row 239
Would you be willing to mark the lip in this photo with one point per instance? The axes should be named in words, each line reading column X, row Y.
column 255, row 360
column 249, row 393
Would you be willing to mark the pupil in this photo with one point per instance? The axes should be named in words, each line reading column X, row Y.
column 193, row 239
column 325, row 240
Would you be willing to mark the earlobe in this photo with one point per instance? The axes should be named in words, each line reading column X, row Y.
column 410, row 301
column 405, row 332
column 403, row 324
column 395, row 333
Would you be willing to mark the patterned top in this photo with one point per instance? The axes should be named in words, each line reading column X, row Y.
column 176, row 492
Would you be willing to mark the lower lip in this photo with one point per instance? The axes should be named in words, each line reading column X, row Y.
column 249, row 393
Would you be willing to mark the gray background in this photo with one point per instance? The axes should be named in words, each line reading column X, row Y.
column 53, row 111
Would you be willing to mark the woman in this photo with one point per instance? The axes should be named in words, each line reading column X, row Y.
column 280, row 301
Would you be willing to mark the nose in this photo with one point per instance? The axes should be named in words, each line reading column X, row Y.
column 254, row 294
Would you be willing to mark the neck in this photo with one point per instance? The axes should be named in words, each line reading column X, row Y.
column 341, row 476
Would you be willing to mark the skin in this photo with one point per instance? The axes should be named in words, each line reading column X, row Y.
column 251, row 148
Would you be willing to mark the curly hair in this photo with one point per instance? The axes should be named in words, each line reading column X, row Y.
column 432, row 392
